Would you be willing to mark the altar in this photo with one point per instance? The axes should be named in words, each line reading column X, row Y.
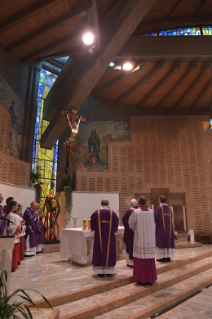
column 76, row 245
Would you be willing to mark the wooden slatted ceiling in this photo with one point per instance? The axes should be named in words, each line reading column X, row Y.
column 36, row 16
column 115, row 91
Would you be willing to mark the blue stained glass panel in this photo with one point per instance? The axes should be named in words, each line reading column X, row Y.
column 44, row 160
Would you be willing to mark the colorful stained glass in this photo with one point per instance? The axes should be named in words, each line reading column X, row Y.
column 207, row 30
column 152, row 34
column 211, row 122
column 44, row 160
column 181, row 32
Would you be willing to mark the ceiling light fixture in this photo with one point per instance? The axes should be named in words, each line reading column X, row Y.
column 127, row 66
column 88, row 38
column 112, row 64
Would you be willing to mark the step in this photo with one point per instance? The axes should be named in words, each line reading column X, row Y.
column 116, row 298
column 111, row 284
column 162, row 300
column 198, row 306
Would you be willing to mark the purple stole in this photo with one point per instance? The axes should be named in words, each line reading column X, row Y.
column 40, row 231
column 105, row 223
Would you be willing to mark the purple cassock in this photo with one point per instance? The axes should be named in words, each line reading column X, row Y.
column 105, row 223
column 29, row 217
column 40, row 231
column 164, row 227
column 128, row 233
column 1, row 220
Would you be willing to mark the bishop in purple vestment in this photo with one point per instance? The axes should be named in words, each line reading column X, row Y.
column 105, row 223
column 31, row 236
column 128, row 233
column 164, row 231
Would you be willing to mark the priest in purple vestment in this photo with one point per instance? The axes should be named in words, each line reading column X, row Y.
column 128, row 233
column 29, row 216
column 39, row 230
column 105, row 223
column 164, row 231
column 1, row 215
column 142, row 223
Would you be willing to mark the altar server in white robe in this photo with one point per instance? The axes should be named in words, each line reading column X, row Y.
column 142, row 223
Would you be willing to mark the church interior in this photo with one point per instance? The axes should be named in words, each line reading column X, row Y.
column 109, row 98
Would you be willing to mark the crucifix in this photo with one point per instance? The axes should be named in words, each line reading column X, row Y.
column 71, row 143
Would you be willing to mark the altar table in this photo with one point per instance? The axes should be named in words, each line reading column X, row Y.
column 77, row 245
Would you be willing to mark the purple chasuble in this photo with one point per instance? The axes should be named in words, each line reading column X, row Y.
column 29, row 217
column 105, row 224
column 128, row 233
column 40, row 231
column 164, row 232
column 1, row 220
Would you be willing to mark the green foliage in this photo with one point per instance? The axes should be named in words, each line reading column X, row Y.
column 13, row 309
column 67, row 180
column 34, row 177
column 38, row 193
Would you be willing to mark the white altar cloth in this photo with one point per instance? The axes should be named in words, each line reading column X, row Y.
column 77, row 245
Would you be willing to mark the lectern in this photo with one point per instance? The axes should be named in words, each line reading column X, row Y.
column 6, row 249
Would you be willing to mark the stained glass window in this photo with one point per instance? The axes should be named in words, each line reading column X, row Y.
column 62, row 60
column 44, row 160
column 207, row 30
column 181, row 32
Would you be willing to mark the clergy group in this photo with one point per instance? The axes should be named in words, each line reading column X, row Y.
column 147, row 235
column 27, row 229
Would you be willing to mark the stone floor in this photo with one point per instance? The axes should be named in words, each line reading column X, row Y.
column 52, row 276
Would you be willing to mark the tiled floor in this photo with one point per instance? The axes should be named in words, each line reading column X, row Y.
column 52, row 276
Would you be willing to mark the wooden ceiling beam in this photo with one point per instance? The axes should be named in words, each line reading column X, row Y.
column 193, row 85
column 176, row 85
column 175, row 67
column 80, row 83
column 28, row 13
column 174, row 9
column 200, row 95
column 115, row 80
column 95, row 19
column 200, row 8
column 52, row 48
column 148, row 76
column 171, row 24
column 147, row 48
column 49, row 27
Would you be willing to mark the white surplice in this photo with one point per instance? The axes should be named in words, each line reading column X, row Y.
column 143, row 225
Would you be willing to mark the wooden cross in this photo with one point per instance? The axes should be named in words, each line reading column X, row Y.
column 73, row 116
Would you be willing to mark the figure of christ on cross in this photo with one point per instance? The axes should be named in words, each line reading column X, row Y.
column 70, row 144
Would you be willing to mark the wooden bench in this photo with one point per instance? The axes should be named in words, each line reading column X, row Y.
column 203, row 235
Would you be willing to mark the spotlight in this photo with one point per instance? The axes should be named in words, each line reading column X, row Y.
column 111, row 64
column 127, row 66
column 88, row 38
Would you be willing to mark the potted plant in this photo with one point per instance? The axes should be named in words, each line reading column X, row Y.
column 66, row 182
column 12, row 309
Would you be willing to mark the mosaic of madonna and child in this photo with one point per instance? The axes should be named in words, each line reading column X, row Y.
column 92, row 141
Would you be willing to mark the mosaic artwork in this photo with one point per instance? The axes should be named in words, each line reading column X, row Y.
column 93, row 138
column 207, row 30
column 12, row 103
column 44, row 160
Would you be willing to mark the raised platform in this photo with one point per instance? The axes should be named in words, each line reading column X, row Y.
column 186, row 244
column 51, row 248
